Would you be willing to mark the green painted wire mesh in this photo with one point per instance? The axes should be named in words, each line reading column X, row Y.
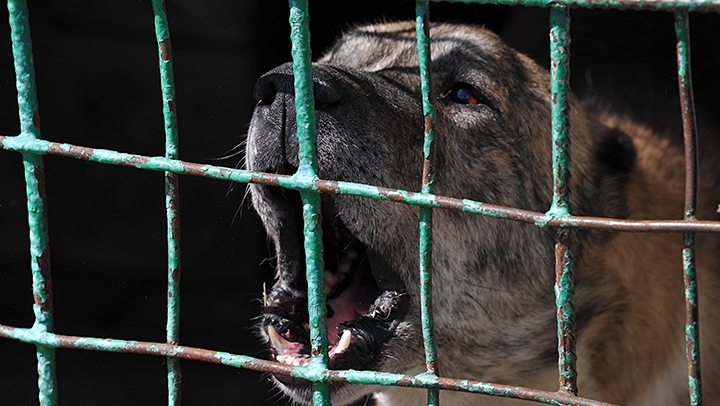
column 32, row 147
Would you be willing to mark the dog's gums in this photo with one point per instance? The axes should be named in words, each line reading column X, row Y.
column 361, row 316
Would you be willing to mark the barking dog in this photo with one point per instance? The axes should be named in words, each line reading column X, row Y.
column 493, row 283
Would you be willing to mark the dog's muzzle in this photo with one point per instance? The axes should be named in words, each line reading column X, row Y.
column 365, row 301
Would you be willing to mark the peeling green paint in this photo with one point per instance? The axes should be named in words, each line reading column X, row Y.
column 167, row 86
column 304, row 99
column 307, row 173
column 35, row 192
column 692, row 326
column 422, row 34
column 560, row 131
column 308, row 184
column 694, row 5
column 559, row 90
column 312, row 373
column 692, row 334
column 564, row 302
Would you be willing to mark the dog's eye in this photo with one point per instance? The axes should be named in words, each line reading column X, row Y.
column 461, row 93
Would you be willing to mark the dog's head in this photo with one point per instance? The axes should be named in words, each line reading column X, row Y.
column 494, row 307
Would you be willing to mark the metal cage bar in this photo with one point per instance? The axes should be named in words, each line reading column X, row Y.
column 564, row 275
column 307, row 174
column 422, row 34
column 103, row 156
column 672, row 5
column 35, row 190
column 687, row 109
column 172, row 212
column 310, row 186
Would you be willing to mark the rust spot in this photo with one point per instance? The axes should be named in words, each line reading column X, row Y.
column 137, row 160
column 449, row 203
column 428, row 123
column 267, row 179
column 171, row 106
column 327, row 186
column 175, row 226
column 193, row 169
column 44, row 263
column 40, row 176
column 36, row 119
column 315, row 352
column 165, row 49
column 394, row 195
column 407, row 381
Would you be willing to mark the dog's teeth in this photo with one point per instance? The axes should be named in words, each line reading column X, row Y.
column 277, row 341
column 330, row 282
column 344, row 343
column 280, row 359
column 343, row 268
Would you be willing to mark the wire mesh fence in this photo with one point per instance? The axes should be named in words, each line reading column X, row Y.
column 30, row 144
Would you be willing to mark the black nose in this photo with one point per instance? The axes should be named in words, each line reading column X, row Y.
column 280, row 80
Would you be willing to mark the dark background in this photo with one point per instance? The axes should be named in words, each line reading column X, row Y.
column 97, row 79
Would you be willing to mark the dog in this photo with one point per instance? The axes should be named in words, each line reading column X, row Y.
column 493, row 279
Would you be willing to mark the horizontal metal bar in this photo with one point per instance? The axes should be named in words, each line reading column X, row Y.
column 31, row 336
column 36, row 146
column 687, row 5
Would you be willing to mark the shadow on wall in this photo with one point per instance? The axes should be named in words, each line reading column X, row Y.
column 98, row 86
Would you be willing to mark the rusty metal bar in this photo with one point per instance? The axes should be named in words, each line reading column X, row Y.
column 564, row 275
column 307, row 171
column 694, row 5
column 167, row 85
column 422, row 34
column 306, row 181
column 246, row 362
column 103, row 156
column 687, row 109
column 35, row 190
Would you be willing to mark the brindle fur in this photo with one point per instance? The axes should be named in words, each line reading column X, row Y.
column 493, row 282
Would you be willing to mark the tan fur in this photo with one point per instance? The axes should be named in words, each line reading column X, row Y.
column 493, row 280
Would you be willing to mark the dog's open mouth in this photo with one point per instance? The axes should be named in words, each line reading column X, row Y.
column 365, row 302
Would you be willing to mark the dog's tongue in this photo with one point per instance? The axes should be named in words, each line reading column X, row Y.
column 344, row 309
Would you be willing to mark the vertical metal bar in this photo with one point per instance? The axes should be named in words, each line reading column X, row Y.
column 162, row 35
column 305, row 109
column 564, row 278
column 687, row 108
column 422, row 31
column 304, row 100
column 35, row 190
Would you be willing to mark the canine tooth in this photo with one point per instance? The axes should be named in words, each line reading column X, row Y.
column 344, row 342
column 330, row 282
column 343, row 268
column 277, row 341
column 280, row 359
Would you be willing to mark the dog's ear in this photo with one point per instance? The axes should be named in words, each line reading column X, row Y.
column 614, row 161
